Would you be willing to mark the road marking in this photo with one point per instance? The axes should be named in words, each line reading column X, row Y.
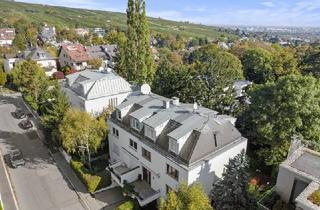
column 9, row 180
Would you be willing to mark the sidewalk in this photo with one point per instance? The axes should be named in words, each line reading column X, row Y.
column 89, row 202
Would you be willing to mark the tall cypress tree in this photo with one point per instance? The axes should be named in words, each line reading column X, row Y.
column 139, row 60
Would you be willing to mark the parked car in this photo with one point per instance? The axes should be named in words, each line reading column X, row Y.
column 26, row 124
column 16, row 158
column 19, row 114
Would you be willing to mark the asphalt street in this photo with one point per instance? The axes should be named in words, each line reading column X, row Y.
column 39, row 185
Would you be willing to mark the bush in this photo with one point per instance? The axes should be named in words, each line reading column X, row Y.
column 315, row 197
column 129, row 205
column 91, row 181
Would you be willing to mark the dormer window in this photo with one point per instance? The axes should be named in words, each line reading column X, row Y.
column 136, row 124
column 173, row 146
column 149, row 132
column 118, row 114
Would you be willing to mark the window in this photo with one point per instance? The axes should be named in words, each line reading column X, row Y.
column 168, row 189
column 113, row 102
column 146, row 154
column 174, row 173
column 173, row 146
column 118, row 114
column 150, row 132
column 135, row 124
column 133, row 144
column 115, row 132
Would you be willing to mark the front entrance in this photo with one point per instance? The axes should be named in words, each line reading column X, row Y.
column 146, row 175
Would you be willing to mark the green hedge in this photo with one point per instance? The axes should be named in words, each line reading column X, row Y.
column 91, row 181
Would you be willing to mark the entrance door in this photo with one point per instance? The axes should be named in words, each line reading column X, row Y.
column 298, row 187
column 146, row 175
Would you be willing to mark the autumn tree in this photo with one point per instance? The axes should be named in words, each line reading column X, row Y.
column 187, row 198
column 231, row 192
column 31, row 80
column 3, row 75
column 81, row 133
column 278, row 111
column 95, row 63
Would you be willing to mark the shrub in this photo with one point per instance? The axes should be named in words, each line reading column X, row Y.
column 129, row 205
column 91, row 181
column 315, row 197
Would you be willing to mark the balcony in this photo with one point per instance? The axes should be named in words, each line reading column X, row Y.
column 144, row 193
column 120, row 173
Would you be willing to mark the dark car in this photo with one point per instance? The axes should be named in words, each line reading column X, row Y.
column 25, row 124
column 19, row 114
column 16, row 158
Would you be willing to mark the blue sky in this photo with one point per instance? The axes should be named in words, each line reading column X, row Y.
column 216, row 12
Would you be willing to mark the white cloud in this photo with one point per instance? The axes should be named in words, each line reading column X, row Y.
column 268, row 4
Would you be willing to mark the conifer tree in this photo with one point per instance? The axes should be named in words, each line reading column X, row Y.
column 231, row 191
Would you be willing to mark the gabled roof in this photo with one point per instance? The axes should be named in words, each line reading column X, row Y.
column 104, row 52
column 93, row 84
column 77, row 52
column 38, row 54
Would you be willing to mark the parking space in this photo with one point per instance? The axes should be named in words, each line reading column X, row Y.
column 38, row 184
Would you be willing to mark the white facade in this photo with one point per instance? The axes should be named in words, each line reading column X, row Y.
column 166, row 169
column 4, row 42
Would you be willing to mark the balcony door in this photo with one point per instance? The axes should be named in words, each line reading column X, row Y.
column 146, row 175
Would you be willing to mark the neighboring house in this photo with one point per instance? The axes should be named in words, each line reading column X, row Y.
column 299, row 177
column 100, row 32
column 6, row 36
column 155, row 143
column 240, row 87
column 94, row 91
column 106, row 53
column 42, row 57
column 48, row 34
column 74, row 55
column 82, row 31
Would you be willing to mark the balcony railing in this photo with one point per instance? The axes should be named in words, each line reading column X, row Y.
column 121, row 173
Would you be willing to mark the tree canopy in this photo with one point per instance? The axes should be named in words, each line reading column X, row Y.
column 278, row 111
column 186, row 198
column 79, row 132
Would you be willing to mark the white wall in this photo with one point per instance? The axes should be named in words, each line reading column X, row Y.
column 5, row 42
column 208, row 172
column 74, row 99
column 285, row 182
column 157, row 166
column 96, row 106
column 47, row 63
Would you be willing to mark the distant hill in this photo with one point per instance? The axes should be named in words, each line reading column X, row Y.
column 72, row 17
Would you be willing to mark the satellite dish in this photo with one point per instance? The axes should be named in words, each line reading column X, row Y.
column 195, row 106
column 145, row 89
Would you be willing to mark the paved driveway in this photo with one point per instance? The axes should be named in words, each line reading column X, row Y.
column 38, row 185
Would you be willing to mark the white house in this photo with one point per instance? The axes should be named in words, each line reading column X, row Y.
column 74, row 55
column 42, row 57
column 48, row 34
column 6, row 36
column 82, row 31
column 94, row 91
column 299, row 177
column 155, row 143
column 100, row 32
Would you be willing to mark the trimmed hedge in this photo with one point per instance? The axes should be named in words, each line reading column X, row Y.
column 315, row 197
column 91, row 181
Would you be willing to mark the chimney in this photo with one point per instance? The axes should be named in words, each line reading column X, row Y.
column 175, row 101
column 166, row 104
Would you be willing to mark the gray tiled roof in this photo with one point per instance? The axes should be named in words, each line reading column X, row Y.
column 182, row 119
